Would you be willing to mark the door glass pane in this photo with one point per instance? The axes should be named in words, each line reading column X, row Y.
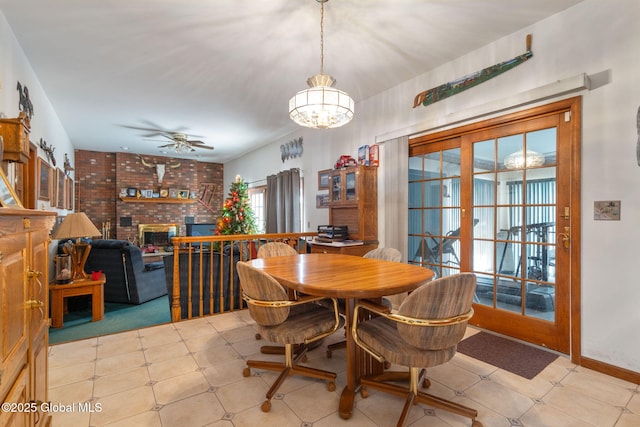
column 514, row 256
column 484, row 156
column 434, row 214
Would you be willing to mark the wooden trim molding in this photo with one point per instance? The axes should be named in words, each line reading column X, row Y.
column 614, row 371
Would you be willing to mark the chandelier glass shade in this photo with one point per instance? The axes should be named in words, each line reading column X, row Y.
column 523, row 159
column 321, row 106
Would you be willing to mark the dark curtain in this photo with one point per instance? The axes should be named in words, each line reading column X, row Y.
column 283, row 202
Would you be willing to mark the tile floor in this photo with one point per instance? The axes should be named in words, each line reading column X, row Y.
column 189, row 374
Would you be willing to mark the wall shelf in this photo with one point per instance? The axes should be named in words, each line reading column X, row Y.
column 157, row 200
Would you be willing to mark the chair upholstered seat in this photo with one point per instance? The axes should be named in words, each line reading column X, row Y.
column 302, row 322
column 381, row 335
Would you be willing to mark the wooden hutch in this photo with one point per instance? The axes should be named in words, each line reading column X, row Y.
column 24, row 319
column 353, row 201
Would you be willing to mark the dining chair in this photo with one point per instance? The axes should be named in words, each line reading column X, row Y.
column 268, row 250
column 287, row 322
column 272, row 249
column 387, row 254
column 424, row 333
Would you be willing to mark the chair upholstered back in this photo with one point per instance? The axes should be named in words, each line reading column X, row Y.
column 272, row 249
column 442, row 298
column 387, row 254
column 258, row 285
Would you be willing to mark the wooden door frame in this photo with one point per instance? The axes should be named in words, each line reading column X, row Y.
column 573, row 107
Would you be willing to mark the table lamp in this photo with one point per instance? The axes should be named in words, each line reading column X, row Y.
column 75, row 226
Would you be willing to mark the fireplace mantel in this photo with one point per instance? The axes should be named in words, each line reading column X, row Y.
column 157, row 200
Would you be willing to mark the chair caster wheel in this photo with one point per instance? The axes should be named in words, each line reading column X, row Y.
column 246, row 372
column 304, row 359
column 426, row 384
column 329, row 354
column 387, row 365
column 476, row 423
column 266, row 406
column 258, row 337
column 331, row 386
column 364, row 392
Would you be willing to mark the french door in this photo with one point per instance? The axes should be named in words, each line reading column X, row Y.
column 499, row 198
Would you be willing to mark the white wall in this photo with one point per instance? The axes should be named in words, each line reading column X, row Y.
column 14, row 68
column 599, row 38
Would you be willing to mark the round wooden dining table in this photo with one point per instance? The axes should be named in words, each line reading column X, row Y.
column 350, row 278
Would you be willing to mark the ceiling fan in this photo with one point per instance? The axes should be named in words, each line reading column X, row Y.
column 176, row 140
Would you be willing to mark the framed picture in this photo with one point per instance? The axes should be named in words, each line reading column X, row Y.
column 164, row 192
column 69, row 199
column 60, row 188
column 44, row 180
column 131, row 192
column 173, row 193
column 147, row 194
column 8, row 197
column 322, row 201
column 323, row 179
column 183, row 194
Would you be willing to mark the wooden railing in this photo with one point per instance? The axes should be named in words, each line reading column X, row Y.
column 205, row 280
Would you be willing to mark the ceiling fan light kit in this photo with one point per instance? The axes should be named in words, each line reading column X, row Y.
column 321, row 106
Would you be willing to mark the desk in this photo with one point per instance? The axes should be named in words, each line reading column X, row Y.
column 351, row 278
column 95, row 288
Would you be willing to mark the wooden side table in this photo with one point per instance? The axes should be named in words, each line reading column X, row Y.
column 95, row 288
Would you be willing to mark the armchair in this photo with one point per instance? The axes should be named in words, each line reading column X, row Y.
column 387, row 254
column 129, row 281
column 424, row 333
column 286, row 322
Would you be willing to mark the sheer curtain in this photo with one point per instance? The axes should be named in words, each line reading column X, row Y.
column 283, row 202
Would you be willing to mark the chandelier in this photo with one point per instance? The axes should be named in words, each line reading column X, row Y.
column 321, row 106
column 523, row 159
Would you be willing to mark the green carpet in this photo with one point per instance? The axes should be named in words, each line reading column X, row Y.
column 117, row 318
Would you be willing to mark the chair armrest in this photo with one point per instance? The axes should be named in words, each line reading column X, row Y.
column 398, row 318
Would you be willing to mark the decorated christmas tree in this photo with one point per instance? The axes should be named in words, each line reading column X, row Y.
column 237, row 216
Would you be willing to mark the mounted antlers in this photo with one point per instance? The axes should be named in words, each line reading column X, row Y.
column 160, row 167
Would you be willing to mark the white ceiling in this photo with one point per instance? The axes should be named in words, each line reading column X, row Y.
column 225, row 69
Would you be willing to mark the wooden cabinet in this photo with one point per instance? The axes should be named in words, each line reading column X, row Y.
column 353, row 201
column 359, row 250
column 24, row 320
column 15, row 134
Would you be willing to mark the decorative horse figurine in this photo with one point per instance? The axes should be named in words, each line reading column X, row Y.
column 25, row 103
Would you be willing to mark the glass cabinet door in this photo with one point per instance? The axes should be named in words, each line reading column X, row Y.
column 335, row 188
column 350, row 186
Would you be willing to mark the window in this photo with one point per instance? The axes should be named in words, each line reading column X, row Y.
column 257, row 200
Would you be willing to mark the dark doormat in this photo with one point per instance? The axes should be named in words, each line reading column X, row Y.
column 515, row 357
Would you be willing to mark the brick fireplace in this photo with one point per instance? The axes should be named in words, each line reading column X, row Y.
column 99, row 178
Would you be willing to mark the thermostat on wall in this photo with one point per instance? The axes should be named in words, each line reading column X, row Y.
column 607, row 210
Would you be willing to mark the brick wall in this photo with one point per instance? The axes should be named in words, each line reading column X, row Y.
column 99, row 178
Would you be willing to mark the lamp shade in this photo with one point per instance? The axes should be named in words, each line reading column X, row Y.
column 76, row 225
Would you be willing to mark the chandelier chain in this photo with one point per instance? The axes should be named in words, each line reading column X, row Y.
column 322, row 37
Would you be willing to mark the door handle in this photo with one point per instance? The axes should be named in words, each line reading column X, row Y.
column 565, row 237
